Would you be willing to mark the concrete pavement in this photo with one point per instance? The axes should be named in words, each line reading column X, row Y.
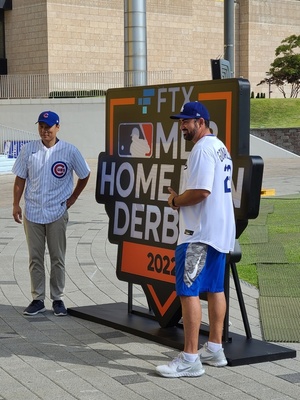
column 47, row 357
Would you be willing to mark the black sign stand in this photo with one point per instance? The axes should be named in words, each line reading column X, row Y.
column 141, row 322
column 233, row 97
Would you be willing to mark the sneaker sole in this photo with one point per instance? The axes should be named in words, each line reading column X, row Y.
column 182, row 374
column 60, row 314
column 215, row 364
column 35, row 313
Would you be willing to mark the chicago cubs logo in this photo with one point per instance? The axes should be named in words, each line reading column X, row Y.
column 59, row 169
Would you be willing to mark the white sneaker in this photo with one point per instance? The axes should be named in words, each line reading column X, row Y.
column 180, row 367
column 216, row 359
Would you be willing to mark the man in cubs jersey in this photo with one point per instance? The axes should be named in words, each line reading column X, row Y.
column 206, row 234
column 44, row 168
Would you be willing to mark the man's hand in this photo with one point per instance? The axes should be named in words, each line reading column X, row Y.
column 71, row 200
column 17, row 214
column 171, row 199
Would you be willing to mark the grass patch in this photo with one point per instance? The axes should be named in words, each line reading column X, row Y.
column 283, row 227
column 281, row 216
column 248, row 273
column 274, row 113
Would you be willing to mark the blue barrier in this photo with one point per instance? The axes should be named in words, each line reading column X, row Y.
column 12, row 148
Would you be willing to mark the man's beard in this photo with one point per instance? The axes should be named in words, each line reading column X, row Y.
column 188, row 135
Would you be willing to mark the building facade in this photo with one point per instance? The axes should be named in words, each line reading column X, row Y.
column 82, row 36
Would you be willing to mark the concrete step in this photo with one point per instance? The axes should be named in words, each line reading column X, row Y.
column 6, row 164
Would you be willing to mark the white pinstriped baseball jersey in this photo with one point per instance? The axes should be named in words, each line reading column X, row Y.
column 49, row 178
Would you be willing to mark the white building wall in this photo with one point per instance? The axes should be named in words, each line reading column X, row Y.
column 82, row 121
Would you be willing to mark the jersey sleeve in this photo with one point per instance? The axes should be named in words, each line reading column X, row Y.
column 201, row 170
column 80, row 166
column 20, row 166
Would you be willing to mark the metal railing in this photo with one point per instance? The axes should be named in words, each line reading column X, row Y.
column 75, row 84
column 11, row 140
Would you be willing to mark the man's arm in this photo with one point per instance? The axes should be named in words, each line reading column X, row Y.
column 188, row 198
column 80, row 185
column 18, row 190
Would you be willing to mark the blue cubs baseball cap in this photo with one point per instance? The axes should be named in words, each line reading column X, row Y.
column 49, row 117
column 193, row 109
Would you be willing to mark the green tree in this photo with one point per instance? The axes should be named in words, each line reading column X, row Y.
column 285, row 69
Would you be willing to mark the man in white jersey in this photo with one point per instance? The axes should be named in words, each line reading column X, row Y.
column 206, row 234
column 44, row 168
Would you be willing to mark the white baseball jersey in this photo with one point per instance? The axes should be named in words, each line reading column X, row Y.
column 49, row 178
column 212, row 221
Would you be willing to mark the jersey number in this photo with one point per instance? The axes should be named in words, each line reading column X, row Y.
column 227, row 181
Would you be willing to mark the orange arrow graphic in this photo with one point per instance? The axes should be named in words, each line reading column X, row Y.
column 162, row 308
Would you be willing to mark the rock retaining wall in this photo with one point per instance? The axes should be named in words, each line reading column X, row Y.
column 286, row 138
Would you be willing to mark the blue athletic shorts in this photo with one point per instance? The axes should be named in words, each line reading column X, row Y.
column 199, row 268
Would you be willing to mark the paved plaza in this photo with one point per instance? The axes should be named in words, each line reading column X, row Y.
column 64, row 358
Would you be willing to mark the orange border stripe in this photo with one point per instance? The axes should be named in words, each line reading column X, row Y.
column 113, row 103
column 222, row 96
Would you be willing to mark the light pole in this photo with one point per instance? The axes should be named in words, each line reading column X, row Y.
column 229, row 33
column 135, row 43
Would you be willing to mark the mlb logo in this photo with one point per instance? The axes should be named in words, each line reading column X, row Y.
column 135, row 140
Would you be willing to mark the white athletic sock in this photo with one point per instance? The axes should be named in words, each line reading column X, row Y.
column 190, row 357
column 214, row 347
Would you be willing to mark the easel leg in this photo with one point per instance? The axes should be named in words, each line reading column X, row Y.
column 241, row 300
column 226, row 292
